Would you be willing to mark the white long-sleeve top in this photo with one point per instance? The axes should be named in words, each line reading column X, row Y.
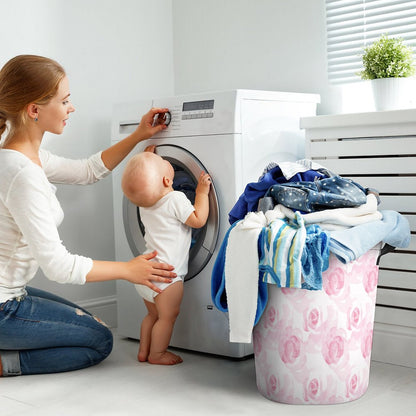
column 30, row 214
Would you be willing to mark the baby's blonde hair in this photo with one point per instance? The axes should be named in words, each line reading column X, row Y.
column 142, row 181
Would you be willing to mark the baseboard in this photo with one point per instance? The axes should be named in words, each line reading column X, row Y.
column 105, row 308
column 394, row 344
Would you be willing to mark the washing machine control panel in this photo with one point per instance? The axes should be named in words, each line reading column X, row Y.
column 192, row 110
column 162, row 118
column 199, row 114
column 188, row 110
column 202, row 114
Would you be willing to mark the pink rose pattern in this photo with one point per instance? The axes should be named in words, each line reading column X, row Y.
column 314, row 347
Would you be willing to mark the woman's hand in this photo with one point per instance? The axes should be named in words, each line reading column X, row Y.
column 112, row 156
column 139, row 270
column 144, row 271
column 147, row 128
column 151, row 148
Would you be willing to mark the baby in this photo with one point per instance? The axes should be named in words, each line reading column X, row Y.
column 168, row 217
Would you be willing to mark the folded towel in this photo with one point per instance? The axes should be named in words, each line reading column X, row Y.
column 340, row 218
column 392, row 229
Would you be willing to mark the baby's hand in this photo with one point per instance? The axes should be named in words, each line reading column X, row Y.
column 151, row 148
column 204, row 183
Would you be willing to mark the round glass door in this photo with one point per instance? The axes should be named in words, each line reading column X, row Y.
column 187, row 169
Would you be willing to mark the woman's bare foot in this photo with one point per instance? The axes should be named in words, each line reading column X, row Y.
column 165, row 358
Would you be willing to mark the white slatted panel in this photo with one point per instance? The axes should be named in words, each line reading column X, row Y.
column 389, row 278
column 365, row 146
column 378, row 150
column 398, row 298
column 354, row 24
column 400, row 261
column 394, row 185
column 392, row 316
column 355, row 166
column 387, row 164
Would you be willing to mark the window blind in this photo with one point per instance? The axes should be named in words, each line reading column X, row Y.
column 355, row 24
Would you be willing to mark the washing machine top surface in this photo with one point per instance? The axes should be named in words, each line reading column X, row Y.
column 208, row 113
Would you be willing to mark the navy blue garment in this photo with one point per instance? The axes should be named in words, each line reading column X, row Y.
column 249, row 199
column 307, row 196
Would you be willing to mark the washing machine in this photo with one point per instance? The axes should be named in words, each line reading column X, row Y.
column 232, row 135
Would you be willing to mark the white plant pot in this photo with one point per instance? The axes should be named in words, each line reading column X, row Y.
column 392, row 93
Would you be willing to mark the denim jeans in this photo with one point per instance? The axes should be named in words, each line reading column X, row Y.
column 305, row 196
column 43, row 333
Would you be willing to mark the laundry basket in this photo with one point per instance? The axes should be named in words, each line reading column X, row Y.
column 314, row 347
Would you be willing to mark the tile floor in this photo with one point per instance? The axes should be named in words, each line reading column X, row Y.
column 202, row 385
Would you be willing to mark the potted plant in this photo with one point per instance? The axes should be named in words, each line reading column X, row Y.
column 387, row 63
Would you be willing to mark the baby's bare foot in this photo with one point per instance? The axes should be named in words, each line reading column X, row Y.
column 142, row 356
column 165, row 358
column 143, row 353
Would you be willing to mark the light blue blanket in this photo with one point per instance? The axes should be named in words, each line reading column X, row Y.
column 349, row 244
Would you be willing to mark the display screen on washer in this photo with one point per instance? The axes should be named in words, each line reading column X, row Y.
column 198, row 105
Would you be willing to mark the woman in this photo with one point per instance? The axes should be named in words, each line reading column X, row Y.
column 39, row 332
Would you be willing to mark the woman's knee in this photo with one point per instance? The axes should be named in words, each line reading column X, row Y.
column 96, row 334
column 104, row 344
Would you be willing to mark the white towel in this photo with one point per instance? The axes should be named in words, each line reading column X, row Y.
column 340, row 218
column 241, row 271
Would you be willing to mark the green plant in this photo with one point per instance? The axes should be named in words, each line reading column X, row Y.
column 387, row 58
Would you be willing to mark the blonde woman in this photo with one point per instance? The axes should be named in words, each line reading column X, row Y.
column 39, row 332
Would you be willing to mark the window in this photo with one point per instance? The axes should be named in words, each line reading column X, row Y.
column 354, row 24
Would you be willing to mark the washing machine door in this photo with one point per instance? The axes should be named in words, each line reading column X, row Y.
column 187, row 170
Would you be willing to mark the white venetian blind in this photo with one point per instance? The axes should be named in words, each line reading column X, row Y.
column 354, row 24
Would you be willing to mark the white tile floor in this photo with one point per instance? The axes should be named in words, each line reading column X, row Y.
column 201, row 385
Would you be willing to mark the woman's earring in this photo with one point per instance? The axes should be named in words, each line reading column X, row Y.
column 36, row 119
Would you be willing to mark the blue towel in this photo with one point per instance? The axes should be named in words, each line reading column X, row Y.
column 290, row 251
column 282, row 244
column 315, row 257
column 349, row 244
column 218, row 294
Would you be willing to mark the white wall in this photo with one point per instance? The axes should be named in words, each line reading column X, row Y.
column 112, row 52
column 120, row 50
column 254, row 44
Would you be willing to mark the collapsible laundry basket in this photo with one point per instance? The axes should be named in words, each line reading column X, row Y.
column 314, row 347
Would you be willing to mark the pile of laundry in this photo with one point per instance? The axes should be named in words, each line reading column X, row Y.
column 283, row 229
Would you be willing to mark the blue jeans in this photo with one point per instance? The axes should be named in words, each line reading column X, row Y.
column 43, row 333
column 307, row 196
